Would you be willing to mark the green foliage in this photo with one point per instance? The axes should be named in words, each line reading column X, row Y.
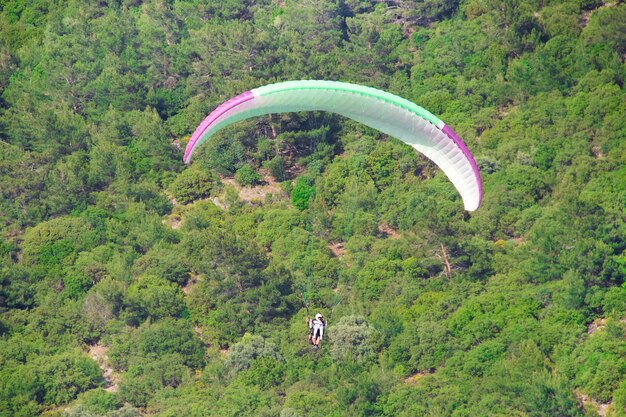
column 302, row 192
column 155, row 356
column 372, row 280
column 141, row 381
column 163, row 261
column 353, row 339
column 614, row 303
column 47, row 381
column 423, row 346
column 98, row 401
column 155, row 298
column 84, row 411
column 17, row 290
column 264, row 372
column 192, row 184
column 277, row 167
column 513, row 309
column 597, row 364
column 250, row 349
column 103, row 302
column 247, row 176
column 223, row 154
column 607, row 27
column 58, row 241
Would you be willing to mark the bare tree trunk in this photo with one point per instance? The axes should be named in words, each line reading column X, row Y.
column 446, row 261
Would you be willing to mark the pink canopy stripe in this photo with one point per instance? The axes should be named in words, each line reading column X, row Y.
column 459, row 142
column 220, row 110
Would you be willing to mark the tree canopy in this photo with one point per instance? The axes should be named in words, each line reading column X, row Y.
column 133, row 284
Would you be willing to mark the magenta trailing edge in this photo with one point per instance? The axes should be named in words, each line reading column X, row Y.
column 214, row 115
column 459, row 142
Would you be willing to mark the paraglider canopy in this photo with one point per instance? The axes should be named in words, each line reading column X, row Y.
column 381, row 110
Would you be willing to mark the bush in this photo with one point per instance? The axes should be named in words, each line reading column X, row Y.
column 99, row 402
column 58, row 241
column 302, row 192
column 247, row 176
column 353, row 339
column 154, row 297
column 163, row 261
column 192, row 184
column 250, row 348
column 277, row 168
column 264, row 372
column 142, row 381
column 47, row 380
column 224, row 154
column 76, row 285
column 152, row 341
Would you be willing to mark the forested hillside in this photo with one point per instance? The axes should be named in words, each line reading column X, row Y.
column 135, row 285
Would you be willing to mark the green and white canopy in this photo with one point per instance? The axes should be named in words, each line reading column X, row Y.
column 378, row 109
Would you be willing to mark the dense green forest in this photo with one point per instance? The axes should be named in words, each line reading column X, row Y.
column 134, row 285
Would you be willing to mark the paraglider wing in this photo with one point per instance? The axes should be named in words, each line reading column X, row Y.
column 378, row 109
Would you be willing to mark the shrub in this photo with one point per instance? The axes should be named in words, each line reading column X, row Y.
column 277, row 168
column 302, row 192
column 353, row 339
column 247, row 176
column 192, row 184
column 250, row 348
column 154, row 297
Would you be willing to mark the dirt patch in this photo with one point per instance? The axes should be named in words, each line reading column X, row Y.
column 388, row 231
column 175, row 222
column 201, row 333
column 504, row 111
column 601, row 408
column 586, row 15
column 597, row 324
column 337, row 249
column 412, row 379
column 597, row 152
column 99, row 354
column 219, row 204
column 193, row 280
column 584, row 20
column 257, row 193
